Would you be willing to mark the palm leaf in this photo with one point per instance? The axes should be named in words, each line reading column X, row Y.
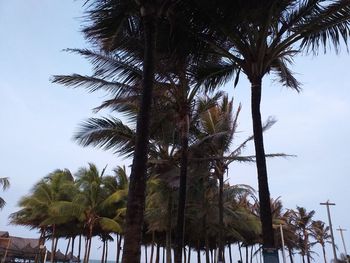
column 106, row 133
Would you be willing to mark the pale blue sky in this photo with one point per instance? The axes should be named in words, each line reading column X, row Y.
column 38, row 118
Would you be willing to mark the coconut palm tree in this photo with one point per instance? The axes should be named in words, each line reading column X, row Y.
column 303, row 221
column 94, row 190
column 5, row 183
column 262, row 37
column 111, row 21
column 41, row 208
column 321, row 234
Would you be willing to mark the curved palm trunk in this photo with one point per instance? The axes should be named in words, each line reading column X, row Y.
column 137, row 187
column 264, row 194
column 182, row 189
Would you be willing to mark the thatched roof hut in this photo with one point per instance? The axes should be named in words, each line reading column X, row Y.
column 19, row 248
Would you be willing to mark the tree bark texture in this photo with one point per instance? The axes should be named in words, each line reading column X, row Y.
column 137, row 187
column 264, row 194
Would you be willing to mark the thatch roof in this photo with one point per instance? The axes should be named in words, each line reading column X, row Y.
column 19, row 247
column 26, row 248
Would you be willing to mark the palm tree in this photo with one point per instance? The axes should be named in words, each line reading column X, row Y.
column 41, row 208
column 260, row 37
column 95, row 188
column 303, row 220
column 321, row 234
column 111, row 22
column 5, row 183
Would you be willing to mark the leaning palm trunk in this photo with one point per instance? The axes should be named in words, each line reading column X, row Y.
column 137, row 187
column 66, row 253
column 264, row 194
column 182, row 188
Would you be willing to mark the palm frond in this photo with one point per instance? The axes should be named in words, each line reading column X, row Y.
column 93, row 84
column 329, row 24
column 106, row 133
column 5, row 183
column 285, row 75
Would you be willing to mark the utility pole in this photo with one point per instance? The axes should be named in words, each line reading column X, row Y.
column 282, row 238
column 330, row 227
column 341, row 230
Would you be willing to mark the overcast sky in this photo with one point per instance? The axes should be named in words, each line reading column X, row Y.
column 38, row 118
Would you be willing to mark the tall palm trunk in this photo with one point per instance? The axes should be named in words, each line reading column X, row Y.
column 230, row 252
column 240, row 252
column 72, row 248
column 53, row 243
column 168, row 228
column 246, row 254
column 119, row 242
column 182, row 188
column 137, row 187
column 79, row 247
column 152, row 247
column 103, row 251
column 290, row 255
column 157, row 253
column 88, row 245
column 198, row 255
column 221, row 217
column 207, row 256
column 146, row 257
column 324, row 254
column 106, row 255
column 264, row 194
column 67, row 249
